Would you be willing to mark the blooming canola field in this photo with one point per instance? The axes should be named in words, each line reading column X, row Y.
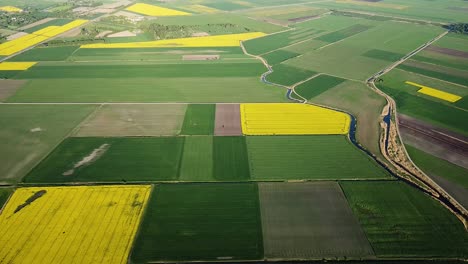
column 11, row 9
column 27, row 41
column 71, row 224
column 436, row 93
column 16, row 66
column 151, row 10
column 292, row 119
column 228, row 40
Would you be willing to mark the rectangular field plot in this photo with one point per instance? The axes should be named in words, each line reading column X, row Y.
column 317, row 85
column 111, row 160
column 193, row 222
column 71, row 224
column 199, row 119
column 230, row 159
column 29, row 132
column 402, row 221
column 134, row 120
column 308, row 157
column 197, row 159
column 176, row 90
column 292, row 119
column 309, row 221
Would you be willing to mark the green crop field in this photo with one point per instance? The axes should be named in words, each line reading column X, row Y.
column 439, row 167
column 46, row 54
column 111, row 159
column 197, row 159
column 279, row 56
column 209, row 90
column 402, row 221
column 288, row 75
column 26, row 136
column 194, row 222
column 4, row 195
column 317, row 85
column 309, row 157
column 199, row 120
column 230, row 160
column 309, row 221
column 191, row 70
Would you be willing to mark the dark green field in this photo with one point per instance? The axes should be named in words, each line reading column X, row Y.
column 317, row 86
column 309, row 157
column 435, row 74
column 143, row 70
column 383, row 55
column 288, row 75
column 343, row 33
column 46, row 54
column 401, row 221
column 126, row 159
column 199, row 119
column 4, row 195
column 188, row 222
column 230, row 159
column 279, row 56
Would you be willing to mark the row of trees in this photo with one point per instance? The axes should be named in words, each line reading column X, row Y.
column 461, row 28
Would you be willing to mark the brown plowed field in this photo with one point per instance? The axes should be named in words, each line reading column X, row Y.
column 227, row 120
column 9, row 87
column 437, row 141
column 451, row 52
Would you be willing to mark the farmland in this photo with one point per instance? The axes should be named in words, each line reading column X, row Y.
column 68, row 216
column 233, row 131
column 233, row 234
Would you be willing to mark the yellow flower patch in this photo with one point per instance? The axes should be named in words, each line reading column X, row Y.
column 11, row 9
column 436, row 93
column 292, row 119
column 80, row 224
column 16, row 66
column 151, row 10
column 231, row 40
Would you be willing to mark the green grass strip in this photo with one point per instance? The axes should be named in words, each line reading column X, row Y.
column 199, row 119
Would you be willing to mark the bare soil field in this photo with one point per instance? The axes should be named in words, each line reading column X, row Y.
column 125, row 33
column 16, row 35
column 227, row 120
column 446, row 51
column 437, row 141
column 309, row 221
column 37, row 23
column 134, row 120
column 9, row 87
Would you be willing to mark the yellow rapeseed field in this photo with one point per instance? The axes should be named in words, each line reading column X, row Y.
column 231, row 40
column 292, row 119
column 436, row 93
column 151, row 10
column 16, row 66
column 11, row 9
column 79, row 224
column 202, row 9
column 22, row 43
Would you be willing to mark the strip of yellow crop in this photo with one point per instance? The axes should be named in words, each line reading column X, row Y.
column 81, row 224
column 25, row 42
column 11, row 9
column 436, row 93
column 231, row 40
column 16, row 66
column 151, row 10
column 202, row 9
column 292, row 119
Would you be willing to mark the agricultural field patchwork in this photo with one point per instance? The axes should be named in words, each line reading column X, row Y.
column 292, row 119
column 151, row 10
column 87, row 223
